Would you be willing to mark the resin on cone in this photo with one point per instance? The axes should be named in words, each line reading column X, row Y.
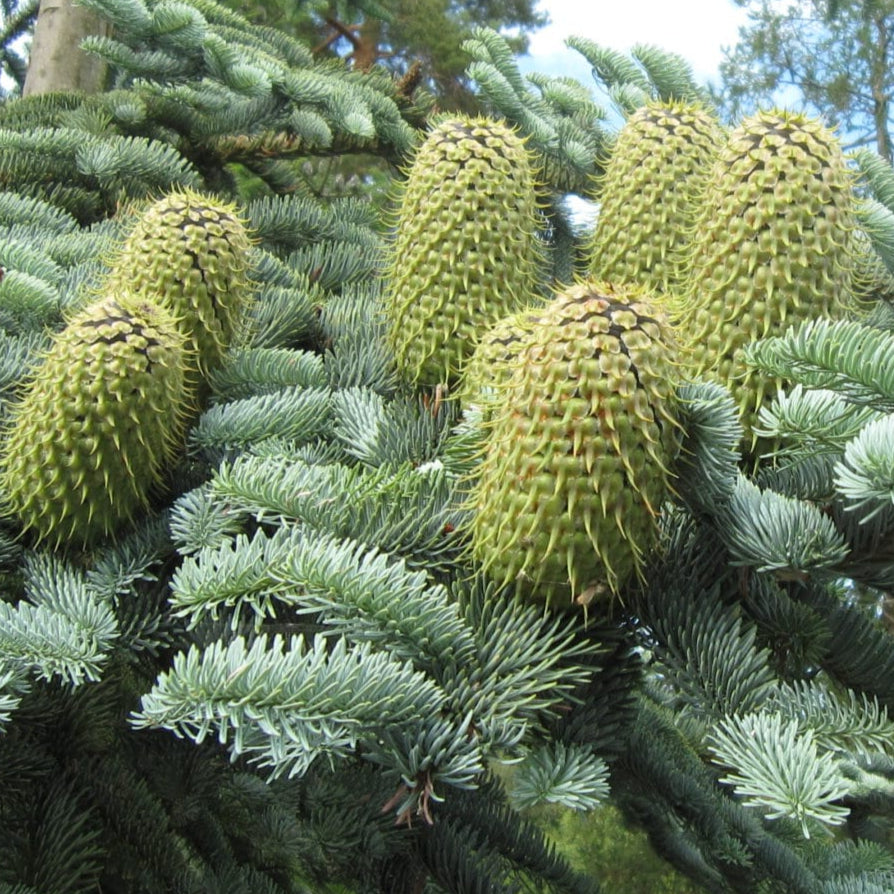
column 579, row 448
column 465, row 251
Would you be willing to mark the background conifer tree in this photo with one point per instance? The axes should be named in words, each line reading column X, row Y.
column 286, row 672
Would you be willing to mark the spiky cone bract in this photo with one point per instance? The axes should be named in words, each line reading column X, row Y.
column 97, row 422
column 775, row 245
column 650, row 191
column 465, row 250
column 579, row 448
column 190, row 251
column 491, row 362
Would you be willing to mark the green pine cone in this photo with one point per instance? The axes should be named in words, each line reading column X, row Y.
column 489, row 367
column 579, row 447
column 465, row 251
column 190, row 251
column 650, row 191
column 96, row 424
column 775, row 245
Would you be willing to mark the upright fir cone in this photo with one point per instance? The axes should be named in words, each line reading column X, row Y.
column 191, row 252
column 650, row 192
column 774, row 245
column 579, row 447
column 96, row 423
column 465, row 251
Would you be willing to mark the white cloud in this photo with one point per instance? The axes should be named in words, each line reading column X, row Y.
column 696, row 30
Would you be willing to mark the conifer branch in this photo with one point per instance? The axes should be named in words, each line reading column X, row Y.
column 877, row 175
column 778, row 769
column 199, row 520
column 611, row 67
column 435, row 752
column 688, row 818
column 252, row 371
column 16, row 22
column 29, row 305
column 670, row 76
column 282, row 704
column 121, row 567
column 337, row 263
column 812, row 420
column 294, row 221
column 282, row 317
column 860, row 653
column 318, row 493
column 793, row 632
column 479, row 841
column 109, row 163
column 839, row 720
column 65, row 839
column 389, row 434
column 297, row 414
column 361, row 593
column 404, row 510
column 18, row 209
column 63, row 629
column 707, row 469
column 13, row 686
column 527, row 668
column 804, row 476
column 708, row 653
column 570, row 775
column 772, row 532
column 865, row 475
column 17, row 354
column 562, row 126
column 877, row 221
column 843, row 356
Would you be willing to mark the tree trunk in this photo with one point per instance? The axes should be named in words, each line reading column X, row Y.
column 366, row 50
column 880, row 102
column 57, row 62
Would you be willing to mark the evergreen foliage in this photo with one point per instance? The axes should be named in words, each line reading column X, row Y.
column 285, row 668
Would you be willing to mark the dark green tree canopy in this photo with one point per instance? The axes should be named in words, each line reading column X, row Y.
column 422, row 39
column 832, row 58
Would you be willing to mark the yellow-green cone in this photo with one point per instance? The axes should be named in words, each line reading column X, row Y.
column 652, row 187
column 96, row 423
column 775, row 245
column 488, row 369
column 465, row 251
column 191, row 252
column 579, row 447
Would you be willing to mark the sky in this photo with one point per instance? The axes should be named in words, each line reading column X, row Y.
column 694, row 29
